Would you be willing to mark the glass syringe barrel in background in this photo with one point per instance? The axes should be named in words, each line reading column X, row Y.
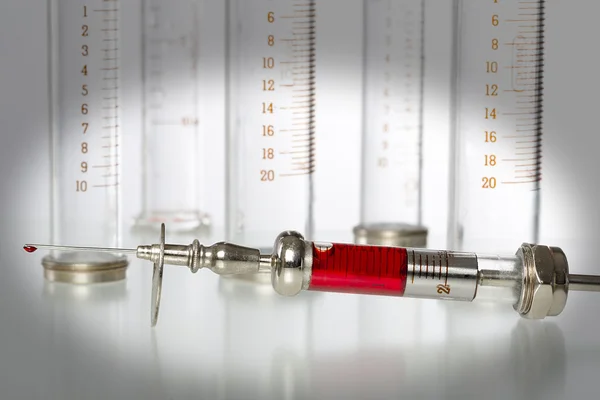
column 271, row 123
column 392, row 119
column 84, row 62
column 497, row 153
column 173, row 130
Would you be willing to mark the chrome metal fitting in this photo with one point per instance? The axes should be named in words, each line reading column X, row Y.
column 291, row 263
column 545, row 281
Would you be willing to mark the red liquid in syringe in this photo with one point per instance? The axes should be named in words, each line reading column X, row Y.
column 358, row 269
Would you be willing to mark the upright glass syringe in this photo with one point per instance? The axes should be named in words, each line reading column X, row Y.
column 86, row 153
column 392, row 124
column 173, row 127
column 497, row 134
column 536, row 280
column 271, row 123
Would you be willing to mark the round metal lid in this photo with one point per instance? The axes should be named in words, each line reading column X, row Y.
column 82, row 268
column 391, row 234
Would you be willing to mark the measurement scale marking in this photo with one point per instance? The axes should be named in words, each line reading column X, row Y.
column 301, row 109
column 527, row 165
column 106, row 185
column 285, row 152
column 413, row 267
column 527, row 182
column 531, row 53
column 447, row 268
column 520, row 159
column 105, row 166
column 299, row 174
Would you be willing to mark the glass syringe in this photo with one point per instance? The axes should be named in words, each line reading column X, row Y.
column 536, row 280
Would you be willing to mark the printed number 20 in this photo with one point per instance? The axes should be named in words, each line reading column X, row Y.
column 488, row 183
column 266, row 176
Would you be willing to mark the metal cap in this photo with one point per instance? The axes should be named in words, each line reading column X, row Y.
column 391, row 234
column 545, row 282
column 83, row 268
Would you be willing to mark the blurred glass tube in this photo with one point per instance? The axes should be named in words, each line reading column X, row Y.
column 173, row 138
column 392, row 122
column 496, row 154
column 85, row 147
column 271, row 123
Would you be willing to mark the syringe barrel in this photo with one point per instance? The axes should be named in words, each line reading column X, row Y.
column 271, row 83
column 392, row 112
column 85, row 130
column 497, row 132
column 394, row 271
column 175, row 120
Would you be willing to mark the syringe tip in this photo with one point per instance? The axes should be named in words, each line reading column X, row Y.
column 29, row 249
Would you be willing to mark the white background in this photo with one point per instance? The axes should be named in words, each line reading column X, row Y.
column 569, row 116
column 32, row 325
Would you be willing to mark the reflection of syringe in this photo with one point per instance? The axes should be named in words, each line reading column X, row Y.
column 536, row 280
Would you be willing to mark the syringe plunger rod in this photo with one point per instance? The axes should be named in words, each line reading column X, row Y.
column 584, row 283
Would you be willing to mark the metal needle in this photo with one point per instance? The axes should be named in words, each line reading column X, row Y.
column 82, row 248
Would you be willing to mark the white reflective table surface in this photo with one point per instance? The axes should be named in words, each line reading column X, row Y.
column 221, row 338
